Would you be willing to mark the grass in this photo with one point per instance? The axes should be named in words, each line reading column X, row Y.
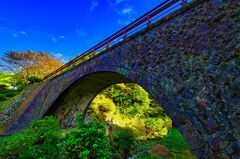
column 7, row 78
column 175, row 143
column 10, row 100
column 8, row 96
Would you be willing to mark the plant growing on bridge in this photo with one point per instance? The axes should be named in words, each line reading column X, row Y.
column 34, row 79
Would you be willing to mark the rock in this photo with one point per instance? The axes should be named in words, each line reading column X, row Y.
column 160, row 151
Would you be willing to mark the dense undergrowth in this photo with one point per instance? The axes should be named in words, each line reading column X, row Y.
column 124, row 122
column 46, row 140
column 142, row 124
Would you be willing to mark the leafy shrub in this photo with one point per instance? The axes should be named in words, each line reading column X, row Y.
column 122, row 142
column 103, row 108
column 3, row 87
column 12, row 146
column 11, row 93
column 2, row 97
column 39, row 140
column 85, row 141
column 171, row 138
column 44, row 139
column 34, row 79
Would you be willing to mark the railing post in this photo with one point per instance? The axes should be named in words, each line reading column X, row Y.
column 94, row 51
column 107, row 44
column 148, row 19
column 125, row 32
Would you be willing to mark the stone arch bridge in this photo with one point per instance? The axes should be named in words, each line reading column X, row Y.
column 188, row 62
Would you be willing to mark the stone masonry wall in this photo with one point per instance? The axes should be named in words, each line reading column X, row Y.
column 189, row 64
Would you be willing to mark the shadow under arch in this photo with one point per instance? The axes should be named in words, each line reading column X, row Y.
column 79, row 95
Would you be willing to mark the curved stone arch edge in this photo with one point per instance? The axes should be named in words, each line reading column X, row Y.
column 131, row 75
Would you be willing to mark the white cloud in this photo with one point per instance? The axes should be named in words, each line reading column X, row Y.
column 57, row 38
column 51, row 36
column 81, row 32
column 59, row 56
column 116, row 2
column 126, row 15
column 54, row 39
column 22, row 32
column 94, row 4
column 61, row 37
column 18, row 34
column 127, row 10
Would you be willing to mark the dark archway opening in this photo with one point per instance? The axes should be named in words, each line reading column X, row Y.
column 79, row 95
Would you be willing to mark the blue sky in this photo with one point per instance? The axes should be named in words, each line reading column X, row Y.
column 64, row 28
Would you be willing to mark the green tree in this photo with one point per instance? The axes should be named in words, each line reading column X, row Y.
column 130, row 105
column 28, row 63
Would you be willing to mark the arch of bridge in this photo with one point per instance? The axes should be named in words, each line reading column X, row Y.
column 189, row 64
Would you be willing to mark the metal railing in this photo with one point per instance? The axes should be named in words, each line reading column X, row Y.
column 157, row 13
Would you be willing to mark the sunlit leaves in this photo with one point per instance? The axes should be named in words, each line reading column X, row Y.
column 130, row 105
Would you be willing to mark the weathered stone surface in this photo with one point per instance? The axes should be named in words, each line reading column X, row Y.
column 190, row 64
column 160, row 151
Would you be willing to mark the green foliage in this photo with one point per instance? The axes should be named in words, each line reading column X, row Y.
column 10, row 96
column 156, row 127
column 10, row 92
column 85, row 141
column 3, row 87
column 6, row 78
column 34, row 79
column 174, row 141
column 12, row 146
column 39, row 140
column 3, row 97
column 103, row 108
column 130, row 105
column 136, row 123
column 6, row 94
column 44, row 139
column 122, row 142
